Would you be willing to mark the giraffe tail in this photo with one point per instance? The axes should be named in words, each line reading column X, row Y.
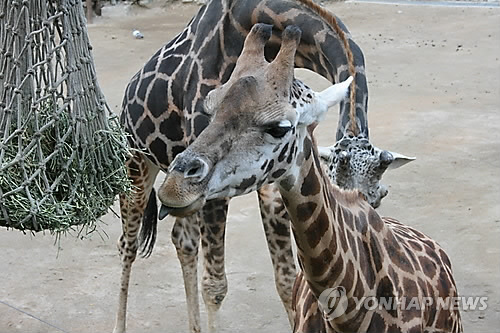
column 147, row 236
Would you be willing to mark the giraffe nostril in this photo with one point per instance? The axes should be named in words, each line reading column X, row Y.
column 193, row 171
column 197, row 168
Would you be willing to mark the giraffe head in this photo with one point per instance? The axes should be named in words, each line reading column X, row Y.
column 354, row 163
column 255, row 136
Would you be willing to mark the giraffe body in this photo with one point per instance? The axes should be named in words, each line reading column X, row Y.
column 416, row 271
column 256, row 137
column 164, row 110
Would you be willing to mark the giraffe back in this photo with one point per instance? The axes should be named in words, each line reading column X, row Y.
column 163, row 109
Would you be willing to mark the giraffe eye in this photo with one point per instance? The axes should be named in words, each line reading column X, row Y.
column 278, row 131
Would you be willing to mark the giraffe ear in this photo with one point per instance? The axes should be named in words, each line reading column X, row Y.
column 336, row 93
column 325, row 153
column 399, row 160
column 209, row 102
column 213, row 98
column 323, row 100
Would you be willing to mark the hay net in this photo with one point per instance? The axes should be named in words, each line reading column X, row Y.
column 62, row 151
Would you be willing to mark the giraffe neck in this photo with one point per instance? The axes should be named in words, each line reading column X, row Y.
column 325, row 221
column 349, row 122
column 168, row 93
column 335, row 56
column 342, row 242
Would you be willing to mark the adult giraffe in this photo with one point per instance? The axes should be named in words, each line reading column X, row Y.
column 163, row 110
column 342, row 243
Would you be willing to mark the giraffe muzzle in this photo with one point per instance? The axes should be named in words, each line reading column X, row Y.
column 181, row 211
column 180, row 196
column 183, row 190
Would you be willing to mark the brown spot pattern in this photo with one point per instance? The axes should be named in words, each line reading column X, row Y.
column 306, row 210
column 317, row 228
column 320, row 264
column 428, row 266
column 311, row 185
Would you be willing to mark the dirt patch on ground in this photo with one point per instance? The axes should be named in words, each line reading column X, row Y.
column 434, row 78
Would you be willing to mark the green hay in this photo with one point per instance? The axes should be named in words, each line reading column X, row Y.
column 75, row 187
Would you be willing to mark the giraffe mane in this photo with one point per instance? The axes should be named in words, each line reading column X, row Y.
column 331, row 20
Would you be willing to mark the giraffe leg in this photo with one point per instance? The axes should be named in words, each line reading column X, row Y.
column 214, row 282
column 277, row 229
column 186, row 239
column 132, row 206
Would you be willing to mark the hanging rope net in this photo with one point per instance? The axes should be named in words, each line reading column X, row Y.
column 62, row 151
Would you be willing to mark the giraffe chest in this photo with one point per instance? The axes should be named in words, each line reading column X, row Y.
column 163, row 105
column 163, row 108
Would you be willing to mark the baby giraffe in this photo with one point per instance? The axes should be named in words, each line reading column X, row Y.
column 344, row 247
